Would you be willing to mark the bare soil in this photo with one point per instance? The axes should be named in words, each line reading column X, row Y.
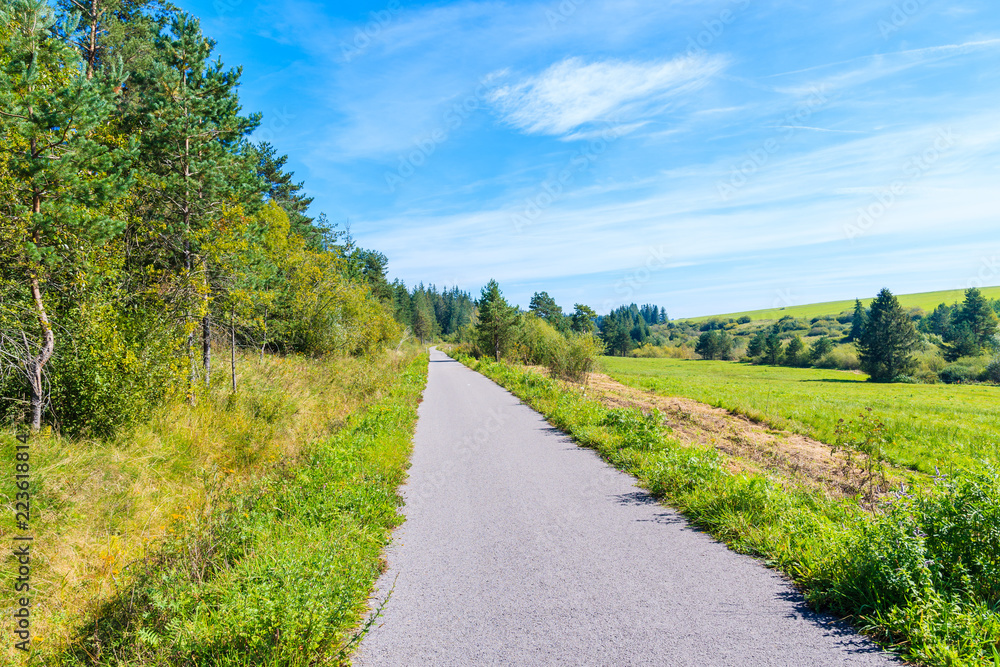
column 753, row 447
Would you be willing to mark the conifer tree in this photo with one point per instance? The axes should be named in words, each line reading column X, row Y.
column 190, row 145
column 497, row 320
column 50, row 115
column 887, row 341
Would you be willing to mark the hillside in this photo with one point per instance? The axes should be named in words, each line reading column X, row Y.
column 926, row 300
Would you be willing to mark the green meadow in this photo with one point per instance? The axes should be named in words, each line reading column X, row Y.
column 925, row 300
column 943, row 426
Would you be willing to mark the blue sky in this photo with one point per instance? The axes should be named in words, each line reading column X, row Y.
column 704, row 156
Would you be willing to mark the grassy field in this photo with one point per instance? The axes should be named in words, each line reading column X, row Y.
column 247, row 529
column 946, row 426
column 926, row 300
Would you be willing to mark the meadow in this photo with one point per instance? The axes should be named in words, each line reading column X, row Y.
column 924, row 300
column 935, row 426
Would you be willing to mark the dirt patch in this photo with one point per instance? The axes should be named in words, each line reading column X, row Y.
column 754, row 447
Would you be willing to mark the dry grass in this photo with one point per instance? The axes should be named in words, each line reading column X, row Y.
column 99, row 506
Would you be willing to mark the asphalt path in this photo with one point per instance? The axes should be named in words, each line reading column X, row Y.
column 520, row 548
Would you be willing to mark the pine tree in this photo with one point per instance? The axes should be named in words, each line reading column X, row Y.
column 773, row 346
column 858, row 322
column 497, row 321
column 973, row 326
column 755, row 347
column 887, row 341
column 190, row 145
column 62, row 175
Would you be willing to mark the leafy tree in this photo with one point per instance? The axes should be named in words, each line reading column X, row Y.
column 61, row 174
column 857, row 322
column 755, row 347
column 497, row 321
column 583, row 319
column 887, row 341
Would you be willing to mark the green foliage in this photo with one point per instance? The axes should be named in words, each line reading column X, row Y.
column 773, row 347
column 583, row 319
column 276, row 571
column 958, row 373
column 715, row 345
column 757, row 344
column 865, row 442
column 794, row 351
column 820, row 348
column 887, row 340
column 496, row 328
column 972, row 326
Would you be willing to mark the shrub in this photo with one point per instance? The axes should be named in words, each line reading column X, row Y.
column 576, row 357
column 744, row 319
column 842, row 358
column 992, row 372
column 957, row 373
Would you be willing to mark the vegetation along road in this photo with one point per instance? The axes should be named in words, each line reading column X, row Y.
column 521, row 548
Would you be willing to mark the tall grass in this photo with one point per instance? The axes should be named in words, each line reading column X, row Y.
column 222, row 533
column 919, row 574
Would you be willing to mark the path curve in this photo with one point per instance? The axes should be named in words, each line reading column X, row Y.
column 520, row 548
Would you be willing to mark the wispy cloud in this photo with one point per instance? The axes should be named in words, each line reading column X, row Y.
column 574, row 93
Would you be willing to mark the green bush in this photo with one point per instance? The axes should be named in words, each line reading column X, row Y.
column 957, row 373
column 992, row 372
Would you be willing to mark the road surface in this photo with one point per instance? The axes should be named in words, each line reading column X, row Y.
column 520, row 548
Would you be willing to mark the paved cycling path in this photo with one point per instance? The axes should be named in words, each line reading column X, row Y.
column 520, row 548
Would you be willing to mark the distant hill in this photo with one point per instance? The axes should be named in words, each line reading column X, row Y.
column 926, row 300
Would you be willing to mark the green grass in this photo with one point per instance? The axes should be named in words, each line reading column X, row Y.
column 947, row 426
column 920, row 576
column 245, row 530
column 926, row 300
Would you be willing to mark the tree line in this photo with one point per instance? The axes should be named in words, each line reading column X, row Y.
column 139, row 223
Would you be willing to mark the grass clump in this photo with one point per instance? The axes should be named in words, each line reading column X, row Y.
column 919, row 572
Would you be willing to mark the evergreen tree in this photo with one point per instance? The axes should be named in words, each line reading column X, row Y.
column 546, row 308
column 773, row 346
column 583, row 319
column 973, row 326
column 793, row 351
column 820, row 348
column 755, row 347
column 887, row 341
column 497, row 321
column 858, row 322
column 62, row 176
column 190, row 147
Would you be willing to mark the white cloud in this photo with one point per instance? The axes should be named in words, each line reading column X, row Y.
column 574, row 93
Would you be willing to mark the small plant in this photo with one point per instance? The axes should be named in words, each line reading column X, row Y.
column 638, row 430
column 863, row 442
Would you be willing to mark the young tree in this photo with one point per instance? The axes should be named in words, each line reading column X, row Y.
column 773, row 347
column 820, row 348
column 887, row 341
column 755, row 347
column 858, row 322
column 50, row 116
column 793, row 351
column 497, row 321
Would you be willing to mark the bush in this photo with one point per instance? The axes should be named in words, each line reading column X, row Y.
column 744, row 319
column 957, row 373
column 576, row 357
column 842, row 358
column 992, row 372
